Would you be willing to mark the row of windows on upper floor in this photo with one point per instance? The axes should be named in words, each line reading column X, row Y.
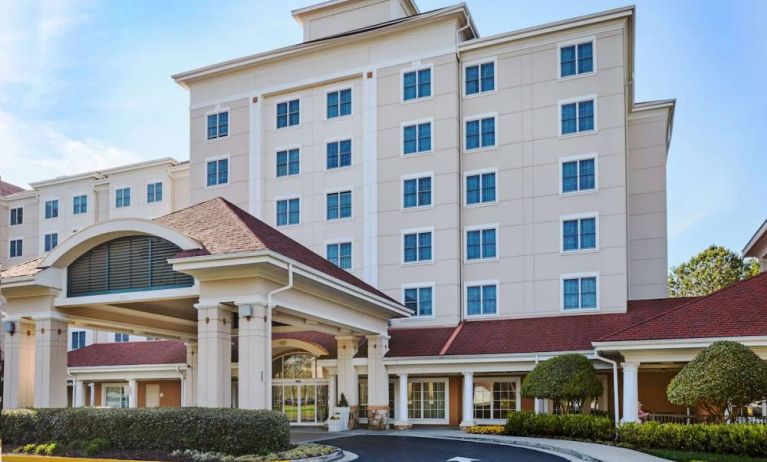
column 478, row 78
column 78, row 339
column 80, row 203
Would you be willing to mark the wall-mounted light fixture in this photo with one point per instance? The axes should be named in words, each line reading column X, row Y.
column 9, row 327
column 246, row 311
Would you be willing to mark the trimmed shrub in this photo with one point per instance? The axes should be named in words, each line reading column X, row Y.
column 230, row 431
column 726, row 376
column 568, row 380
column 97, row 446
column 738, row 439
column 581, row 427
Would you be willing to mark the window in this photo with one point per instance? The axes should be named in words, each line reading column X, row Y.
column 480, row 133
column 78, row 339
column 339, row 103
column 576, row 59
column 339, row 205
column 16, row 248
column 578, row 117
column 51, row 241
column 122, row 197
column 494, row 399
column 218, row 125
column 481, row 299
column 340, row 254
column 416, row 84
column 480, row 78
column 80, row 204
column 154, row 192
column 218, row 172
column 52, row 208
column 416, row 192
column 419, row 299
column 17, row 216
column 426, row 400
column 480, row 188
column 339, row 154
column 115, row 396
column 579, row 175
column 288, row 212
column 481, row 244
column 579, row 234
column 417, row 247
column 416, row 138
column 121, row 338
column 579, row 293
column 288, row 113
column 288, row 162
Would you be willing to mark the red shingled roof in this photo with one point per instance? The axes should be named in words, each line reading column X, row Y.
column 739, row 310
column 129, row 354
column 6, row 189
column 529, row 335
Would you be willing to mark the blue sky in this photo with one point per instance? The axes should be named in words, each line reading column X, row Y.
column 86, row 84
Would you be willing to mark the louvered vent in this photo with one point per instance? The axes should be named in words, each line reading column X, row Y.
column 126, row 264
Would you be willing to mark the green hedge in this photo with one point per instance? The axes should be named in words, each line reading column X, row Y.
column 582, row 427
column 739, row 439
column 230, row 431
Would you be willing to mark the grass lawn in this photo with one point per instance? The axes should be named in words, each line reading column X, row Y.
column 684, row 456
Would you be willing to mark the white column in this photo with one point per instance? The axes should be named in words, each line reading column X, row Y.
column 254, row 355
column 92, row 391
column 332, row 395
column 50, row 362
column 468, row 400
column 630, row 392
column 402, row 416
column 19, row 372
column 132, row 393
column 348, row 381
column 214, row 342
column 539, row 406
column 79, row 397
column 189, row 385
column 378, row 378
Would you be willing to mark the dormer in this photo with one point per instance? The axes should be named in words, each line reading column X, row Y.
column 338, row 16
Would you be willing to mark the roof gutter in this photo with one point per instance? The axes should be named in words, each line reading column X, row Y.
column 614, row 364
column 268, row 337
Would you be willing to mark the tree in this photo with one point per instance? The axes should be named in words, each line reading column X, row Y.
column 724, row 377
column 711, row 270
column 568, row 380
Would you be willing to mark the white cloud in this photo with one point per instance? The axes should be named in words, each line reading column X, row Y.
column 32, row 152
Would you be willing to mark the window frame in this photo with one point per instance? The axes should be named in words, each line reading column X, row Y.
column 579, row 217
column 418, row 231
column 74, row 210
column 579, row 276
column 417, row 123
column 480, row 117
column 577, row 41
column 446, row 382
column 130, row 197
column 162, row 191
column 286, row 149
column 287, row 198
column 338, row 140
column 287, row 101
column 339, row 190
column 78, row 333
column 416, row 176
column 517, row 402
column 10, row 215
column 10, row 247
column 339, row 241
column 228, row 171
column 579, row 158
column 479, row 62
column 45, row 207
column 577, row 101
column 421, row 285
column 481, row 283
column 480, row 172
column 52, row 235
column 338, row 90
column 415, row 67
column 483, row 227
column 217, row 111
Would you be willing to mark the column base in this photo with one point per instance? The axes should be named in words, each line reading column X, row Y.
column 466, row 424
column 402, row 425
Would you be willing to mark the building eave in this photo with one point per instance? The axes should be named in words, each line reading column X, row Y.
column 758, row 236
column 626, row 345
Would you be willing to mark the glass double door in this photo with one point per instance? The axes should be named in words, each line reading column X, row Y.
column 303, row 402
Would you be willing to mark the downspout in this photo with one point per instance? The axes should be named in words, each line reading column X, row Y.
column 615, row 384
column 268, row 336
column 459, row 71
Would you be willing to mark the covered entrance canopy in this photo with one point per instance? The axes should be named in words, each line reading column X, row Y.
column 204, row 275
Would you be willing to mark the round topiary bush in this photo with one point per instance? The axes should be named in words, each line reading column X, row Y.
column 568, row 380
column 722, row 378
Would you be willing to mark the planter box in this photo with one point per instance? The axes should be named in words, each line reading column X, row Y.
column 339, row 421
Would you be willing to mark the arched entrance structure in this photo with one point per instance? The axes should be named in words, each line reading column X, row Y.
column 206, row 274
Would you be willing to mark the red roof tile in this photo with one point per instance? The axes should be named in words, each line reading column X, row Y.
column 129, row 354
column 6, row 189
column 427, row 341
column 739, row 310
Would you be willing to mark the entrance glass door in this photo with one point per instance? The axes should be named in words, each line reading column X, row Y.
column 302, row 403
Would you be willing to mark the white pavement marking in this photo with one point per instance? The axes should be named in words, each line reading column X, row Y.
column 462, row 459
